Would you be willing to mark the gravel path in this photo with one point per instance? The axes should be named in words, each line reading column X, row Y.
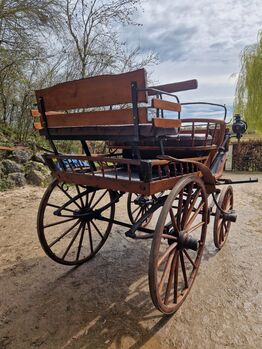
column 106, row 304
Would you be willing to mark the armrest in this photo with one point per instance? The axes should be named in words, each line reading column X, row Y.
column 174, row 87
column 165, row 105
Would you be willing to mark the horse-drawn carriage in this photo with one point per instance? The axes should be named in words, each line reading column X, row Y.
column 165, row 163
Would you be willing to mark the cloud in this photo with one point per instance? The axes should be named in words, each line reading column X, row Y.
column 198, row 39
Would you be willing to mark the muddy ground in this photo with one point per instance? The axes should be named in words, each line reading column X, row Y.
column 105, row 303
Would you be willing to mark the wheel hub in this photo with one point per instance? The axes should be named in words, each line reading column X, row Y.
column 87, row 215
column 143, row 201
column 187, row 241
column 230, row 216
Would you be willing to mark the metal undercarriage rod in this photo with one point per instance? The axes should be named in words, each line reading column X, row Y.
column 137, row 226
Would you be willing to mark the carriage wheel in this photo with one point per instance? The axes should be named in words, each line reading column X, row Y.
column 178, row 244
column 221, row 226
column 137, row 206
column 69, row 226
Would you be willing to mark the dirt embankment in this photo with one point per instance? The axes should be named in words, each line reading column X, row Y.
column 106, row 304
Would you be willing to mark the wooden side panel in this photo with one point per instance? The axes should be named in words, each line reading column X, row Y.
column 166, row 123
column 95, row 91
column 175, row 87
column 106, row 117
column 165, row 105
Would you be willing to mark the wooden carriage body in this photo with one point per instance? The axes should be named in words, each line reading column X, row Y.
column 164, row 161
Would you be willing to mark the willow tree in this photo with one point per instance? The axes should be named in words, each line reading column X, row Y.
column 248, row 98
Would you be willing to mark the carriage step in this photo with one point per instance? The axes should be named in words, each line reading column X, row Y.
column 230, row 216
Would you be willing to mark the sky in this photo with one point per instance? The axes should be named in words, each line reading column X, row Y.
column 198, row 39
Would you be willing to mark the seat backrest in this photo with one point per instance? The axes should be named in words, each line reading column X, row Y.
column 91, row 101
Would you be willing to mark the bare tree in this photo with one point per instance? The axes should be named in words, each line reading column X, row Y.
column 94, row 43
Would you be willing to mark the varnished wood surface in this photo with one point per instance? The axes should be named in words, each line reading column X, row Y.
column 175, row 87
column 166, row 123
column 96, row 118
column 165, row 105
column 95, row 91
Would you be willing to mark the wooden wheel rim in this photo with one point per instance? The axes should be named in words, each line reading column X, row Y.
column 82, row 230
column 155, row 281
column 221, row 227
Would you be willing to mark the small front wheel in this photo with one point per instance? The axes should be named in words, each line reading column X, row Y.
column 137, row 206
column 178, row 244
column 221, row 225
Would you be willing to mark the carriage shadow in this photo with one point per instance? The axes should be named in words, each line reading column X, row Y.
column 102, row 304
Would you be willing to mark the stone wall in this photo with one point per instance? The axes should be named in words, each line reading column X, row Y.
column 20, row 166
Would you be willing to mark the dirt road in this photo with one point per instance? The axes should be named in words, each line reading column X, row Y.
column 105, row 303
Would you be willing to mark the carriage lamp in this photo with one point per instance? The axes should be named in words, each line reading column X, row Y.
column 239, row 126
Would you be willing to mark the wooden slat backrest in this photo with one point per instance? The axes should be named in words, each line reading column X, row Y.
column 95, row 91
column 95, row 118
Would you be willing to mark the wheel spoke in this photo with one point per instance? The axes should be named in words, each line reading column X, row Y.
column 61, row 222
column 137, row 208
column 94, row 225
column 176, row 279
column 182, row 261
column 189, row 258
column 81, row 241
column 80, row 196
column 225, row 226
column 138, row 214
column 179, row 209
column 192, row 205
column 173, row 220
column 92, row 198
column 64, row 234
column 71, row 199
column 86, row 198
column 90, row 237
column 171, row 277
column 191, row 220
column 165, row 271
column 195, row 227
column 97, row 201
column 222, row 235
column 169, row 237
column 185, row 209
column 56, row 206
column 72, row 241
column 165, row 255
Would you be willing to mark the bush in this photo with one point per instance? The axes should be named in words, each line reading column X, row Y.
column 247, row 156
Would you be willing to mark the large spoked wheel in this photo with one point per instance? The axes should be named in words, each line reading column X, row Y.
column 70, row 226
column 178, row 244
column 221, row 225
